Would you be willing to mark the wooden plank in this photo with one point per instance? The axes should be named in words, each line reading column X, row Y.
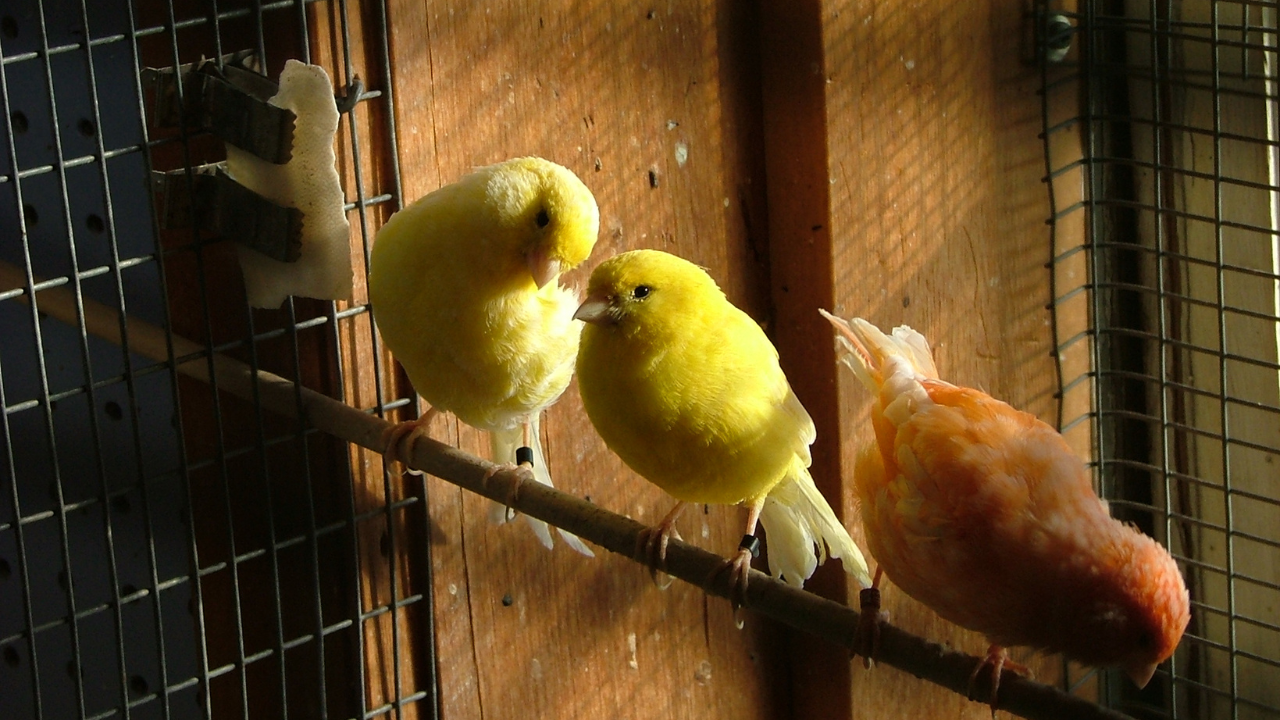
column 630, row 98
column 938, row 222
column 388, row 558
column 801, row 273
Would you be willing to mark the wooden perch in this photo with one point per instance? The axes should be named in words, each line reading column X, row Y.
column 799, row 609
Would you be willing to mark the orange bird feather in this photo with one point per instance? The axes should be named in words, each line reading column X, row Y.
column 983, row 513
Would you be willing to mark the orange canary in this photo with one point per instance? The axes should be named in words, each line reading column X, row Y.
column 983, row 513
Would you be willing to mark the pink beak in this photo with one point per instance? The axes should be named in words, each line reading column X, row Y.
column 1140, row 673
column 542, row 268
column 593, row 310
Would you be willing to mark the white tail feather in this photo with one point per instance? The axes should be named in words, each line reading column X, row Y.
column 802, row 531
column 503, row 446
column 867, row 349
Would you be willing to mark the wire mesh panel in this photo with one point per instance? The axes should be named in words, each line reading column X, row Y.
column 1178, row 291
column 167, row 550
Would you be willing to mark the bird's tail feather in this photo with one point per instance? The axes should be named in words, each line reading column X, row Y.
column 503, row 446
column 802, row 531
column 867, row 348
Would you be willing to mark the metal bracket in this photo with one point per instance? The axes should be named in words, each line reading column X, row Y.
column 222, row 206
column 230, row 101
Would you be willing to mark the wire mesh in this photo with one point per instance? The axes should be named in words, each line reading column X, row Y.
column 165, row 550
column 1162, row 154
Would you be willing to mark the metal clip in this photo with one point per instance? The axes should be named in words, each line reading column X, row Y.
column 222, row 206
column 230, row 101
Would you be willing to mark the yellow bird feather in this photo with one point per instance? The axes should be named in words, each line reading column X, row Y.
column 687, row 390
column 464, row 287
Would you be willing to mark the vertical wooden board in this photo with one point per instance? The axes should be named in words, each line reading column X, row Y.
column 629, row 98
column 800, row 254
column 391, row 640
column 1061, row 98
column 938, row 222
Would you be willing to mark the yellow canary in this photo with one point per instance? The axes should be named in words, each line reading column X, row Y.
column 687, row 390
column 464, row 287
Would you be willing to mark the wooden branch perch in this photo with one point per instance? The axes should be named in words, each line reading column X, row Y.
column 799, row 609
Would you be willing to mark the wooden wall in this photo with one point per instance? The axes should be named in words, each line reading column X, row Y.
column 880, row 158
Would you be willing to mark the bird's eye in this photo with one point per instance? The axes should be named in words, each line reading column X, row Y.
column 641, row 292
column 542, row 219
column 1145, row 640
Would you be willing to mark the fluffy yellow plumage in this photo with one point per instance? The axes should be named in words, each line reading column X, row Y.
column 687, row 390
column 464, row 286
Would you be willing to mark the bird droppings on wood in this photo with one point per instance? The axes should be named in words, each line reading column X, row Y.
column 653, row 177
column 682, row 153
column 631, row 652
column 703, row 674
column 507, row 600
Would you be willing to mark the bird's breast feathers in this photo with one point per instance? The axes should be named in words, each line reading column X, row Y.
column 716, row 427
column 490, row 360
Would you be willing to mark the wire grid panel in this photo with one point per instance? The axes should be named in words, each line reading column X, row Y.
column 165, row 550
column 1177, row 117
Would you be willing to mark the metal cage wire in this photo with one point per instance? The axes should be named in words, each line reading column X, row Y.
column 118, row 598
column 1162, row 178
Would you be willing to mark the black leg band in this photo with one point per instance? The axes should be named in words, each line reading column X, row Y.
column 751, row 544
column 524, row 455
column 869, row 599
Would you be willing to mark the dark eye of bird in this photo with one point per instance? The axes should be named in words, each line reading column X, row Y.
column 641, row 292
column 542, row 219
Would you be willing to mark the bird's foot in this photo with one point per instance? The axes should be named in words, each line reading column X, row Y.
column 651, row 545
column 399, row 438
column 514, row 491
column 739, row 569
column 869, row 621
column 998, row 659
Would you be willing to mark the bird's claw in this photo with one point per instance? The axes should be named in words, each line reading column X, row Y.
column 740, row 566
column 396, row 438
column 651, row 544
column 514, row 490
column 739, row 569
column 868, row 640
column 998, row 659
column 869, row 621
column 524, row 459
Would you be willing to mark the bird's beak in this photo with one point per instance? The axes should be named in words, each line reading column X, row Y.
column 594, row 310
column 1140, row 673
column 542, row 268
